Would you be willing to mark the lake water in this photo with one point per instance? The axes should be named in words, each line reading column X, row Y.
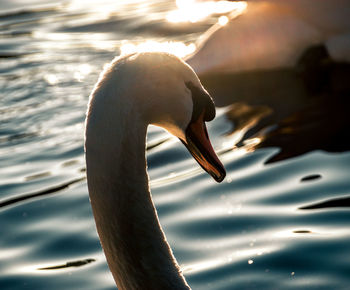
column 249, row 232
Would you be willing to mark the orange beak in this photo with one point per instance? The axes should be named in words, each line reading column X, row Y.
column 198, row 143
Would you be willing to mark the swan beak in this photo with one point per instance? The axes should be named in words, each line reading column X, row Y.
column 198, row 143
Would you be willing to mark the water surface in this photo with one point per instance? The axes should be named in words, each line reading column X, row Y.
column 279, row 225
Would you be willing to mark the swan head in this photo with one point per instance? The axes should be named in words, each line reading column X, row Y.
column 166, row 92
column 180, row 104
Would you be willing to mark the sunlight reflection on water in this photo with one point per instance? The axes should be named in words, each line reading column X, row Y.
column 192, row 11
column 247, row 233
column 178, row 48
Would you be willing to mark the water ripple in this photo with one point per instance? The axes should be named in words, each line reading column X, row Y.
column 281, row 225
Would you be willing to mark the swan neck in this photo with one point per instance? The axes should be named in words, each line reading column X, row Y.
column 136, row 249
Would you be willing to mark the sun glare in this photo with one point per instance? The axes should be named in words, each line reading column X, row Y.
column 97, row 12
column 191, row 11
column 177, row 48
column 223, row 20
column 82, row 71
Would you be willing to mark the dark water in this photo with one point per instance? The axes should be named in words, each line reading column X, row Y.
column 277, row 225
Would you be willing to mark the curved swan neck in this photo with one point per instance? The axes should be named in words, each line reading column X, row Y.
column 137, row 252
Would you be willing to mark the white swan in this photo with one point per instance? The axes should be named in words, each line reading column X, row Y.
column 273, row 34
column 135, row 91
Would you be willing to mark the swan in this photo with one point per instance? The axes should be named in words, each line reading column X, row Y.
column 134, row 91
column 272, row 34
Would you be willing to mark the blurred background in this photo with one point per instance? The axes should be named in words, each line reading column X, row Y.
column 279, row 75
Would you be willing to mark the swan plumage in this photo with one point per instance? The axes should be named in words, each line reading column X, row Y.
column 273, row 34
column 134, row 91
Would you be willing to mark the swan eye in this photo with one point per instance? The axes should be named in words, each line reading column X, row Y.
column 202, row 102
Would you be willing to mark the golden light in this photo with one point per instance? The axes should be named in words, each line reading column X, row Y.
column 203, row 265
column 51, row 79
column 82, row 71
column 54, row 40
column 93, row 11
column 223, row 20
column 177, row 48
column 191, row 11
